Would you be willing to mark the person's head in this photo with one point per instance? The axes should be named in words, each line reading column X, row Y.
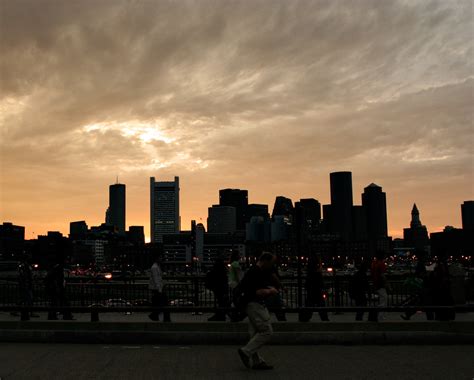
column 234, row 256
column 156, row 258
column 266, row 260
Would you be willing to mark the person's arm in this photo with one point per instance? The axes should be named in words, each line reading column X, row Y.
column 265, row 293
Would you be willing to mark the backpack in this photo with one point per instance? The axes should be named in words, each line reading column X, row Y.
column 240, row 298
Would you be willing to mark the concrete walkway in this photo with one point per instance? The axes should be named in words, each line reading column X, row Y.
column 194, row 329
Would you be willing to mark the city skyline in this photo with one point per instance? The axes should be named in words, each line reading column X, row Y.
column 267, row 97
column 203, row 220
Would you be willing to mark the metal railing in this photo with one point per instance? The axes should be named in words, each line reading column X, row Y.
column 189, row 291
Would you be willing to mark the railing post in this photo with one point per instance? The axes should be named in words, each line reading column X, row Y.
column 94, row 315
column 25, row 314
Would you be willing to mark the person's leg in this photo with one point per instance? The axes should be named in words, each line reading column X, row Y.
column 259, row 318
column 163, row 302
column 322, row 314
column 155, row 302
column 383, row 300
column 362, row 302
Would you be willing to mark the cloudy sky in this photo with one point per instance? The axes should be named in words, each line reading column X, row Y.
column 270, row 96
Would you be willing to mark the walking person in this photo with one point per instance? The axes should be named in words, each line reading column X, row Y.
column 359, row 288
column 379, row 280
column 314, row 290
column 257, row 287
column 155, row 285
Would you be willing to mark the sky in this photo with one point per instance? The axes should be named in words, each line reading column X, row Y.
column 269, row 96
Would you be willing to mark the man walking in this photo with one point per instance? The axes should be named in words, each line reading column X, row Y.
column 256, row 287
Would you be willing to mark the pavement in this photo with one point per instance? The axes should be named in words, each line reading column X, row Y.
column 119, row 328
column 80, row 361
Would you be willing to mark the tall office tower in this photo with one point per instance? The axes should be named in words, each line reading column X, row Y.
column 375, row 205
column 235, row 198
column 115, row 215
column 417, row 235
column 283, row 207
column 467, row 211
column 341, row 204
column 164, row 209
column 221, row 219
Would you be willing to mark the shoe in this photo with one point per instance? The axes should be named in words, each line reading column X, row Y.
column 153, row 318
column 404, row 317
column 245, row 359
column 69, row 318
column 33, row 315
column 262, row 366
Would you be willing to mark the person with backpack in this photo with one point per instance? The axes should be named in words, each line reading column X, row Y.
column 255, row 288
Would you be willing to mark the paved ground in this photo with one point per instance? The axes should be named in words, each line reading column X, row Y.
column 68, row 361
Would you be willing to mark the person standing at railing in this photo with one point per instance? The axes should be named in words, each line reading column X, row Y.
column 314, row 290
column 218, row 282
column 379, row 280
column 56, row 289
column 359, row 288
column 235, row 270
column 155, row 285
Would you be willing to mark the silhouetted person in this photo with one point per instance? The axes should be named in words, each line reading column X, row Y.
column 55, row 288
column 379, row 280
column 236, row 274
column 158, row 298
column 359, row 288
column 275, row 303
column 314, row 290
column 257, row 287
column 418, row 288
column 217, row 281
column 442, row 292
column 235, row 270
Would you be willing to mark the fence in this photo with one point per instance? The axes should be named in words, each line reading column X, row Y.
column 189, row 291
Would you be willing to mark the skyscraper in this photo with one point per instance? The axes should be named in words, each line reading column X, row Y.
column 341, row 204
column 467, row 212
column 115, row 215
column 375, row 205
column 164, row 209
column 235, row 198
